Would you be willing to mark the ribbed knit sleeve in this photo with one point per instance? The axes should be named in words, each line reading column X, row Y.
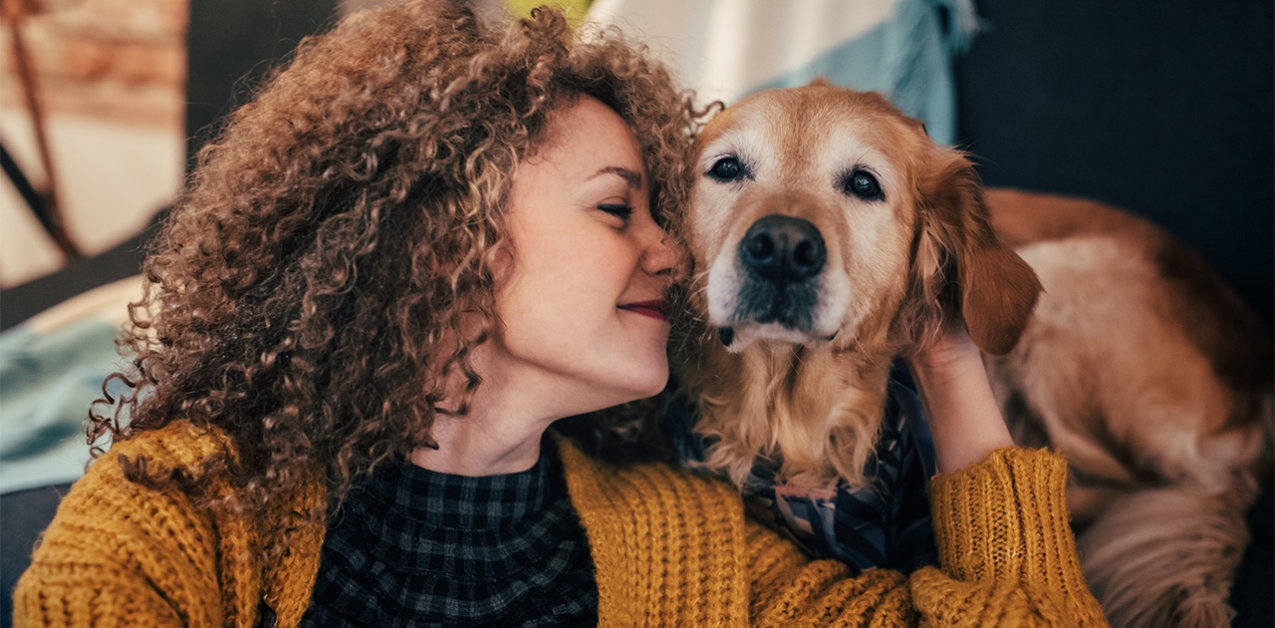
column 1007, row 553
column 121, row 554
column 790, row 590
column 673, row 549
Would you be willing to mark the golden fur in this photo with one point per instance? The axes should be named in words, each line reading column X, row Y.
column 905, row 267
column 1139, row 365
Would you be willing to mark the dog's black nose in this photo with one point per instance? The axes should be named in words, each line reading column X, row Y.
column 783, row 248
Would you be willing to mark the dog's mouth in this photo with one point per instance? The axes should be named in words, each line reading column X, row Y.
column 771, row 287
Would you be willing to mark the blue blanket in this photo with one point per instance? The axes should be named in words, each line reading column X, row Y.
column 51, row 369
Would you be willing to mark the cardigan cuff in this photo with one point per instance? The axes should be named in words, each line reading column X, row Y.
column 1005, row 517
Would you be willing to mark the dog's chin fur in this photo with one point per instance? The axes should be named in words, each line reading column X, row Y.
column 783, row 402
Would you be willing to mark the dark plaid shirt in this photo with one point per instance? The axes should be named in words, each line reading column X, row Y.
column 419, row 548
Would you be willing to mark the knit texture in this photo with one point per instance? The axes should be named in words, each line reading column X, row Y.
column 120, row 554
column 670, row 549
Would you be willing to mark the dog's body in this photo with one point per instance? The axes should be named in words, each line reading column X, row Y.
column 1154, row 379
column 830, row 235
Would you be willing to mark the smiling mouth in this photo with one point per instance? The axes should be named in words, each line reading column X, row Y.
column 655, row 309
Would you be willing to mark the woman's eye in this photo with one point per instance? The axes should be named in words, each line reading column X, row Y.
column 619, row 210
column 862, row 184
column 727, row 169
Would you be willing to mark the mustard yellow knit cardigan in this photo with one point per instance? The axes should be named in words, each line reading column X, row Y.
column 670, row 548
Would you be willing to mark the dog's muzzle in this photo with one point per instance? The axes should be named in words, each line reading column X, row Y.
column 780, row 256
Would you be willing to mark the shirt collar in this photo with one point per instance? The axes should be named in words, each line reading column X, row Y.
column 457, row 501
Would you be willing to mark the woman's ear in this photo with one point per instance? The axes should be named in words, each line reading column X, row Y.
column 994, row 289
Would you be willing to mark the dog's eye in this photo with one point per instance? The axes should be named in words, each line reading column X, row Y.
column 862, row 184
column 727, row 169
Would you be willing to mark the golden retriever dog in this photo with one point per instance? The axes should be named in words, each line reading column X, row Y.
column 830, row 235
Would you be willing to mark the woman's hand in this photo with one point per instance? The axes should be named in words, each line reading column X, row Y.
column 963, row 416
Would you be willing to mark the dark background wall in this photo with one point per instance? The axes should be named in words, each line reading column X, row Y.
column 231, row 45
column 1164, row 108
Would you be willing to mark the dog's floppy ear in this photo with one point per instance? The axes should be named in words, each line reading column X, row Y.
column 960, row 263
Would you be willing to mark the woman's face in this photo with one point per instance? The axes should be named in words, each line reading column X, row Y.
column 582, row 305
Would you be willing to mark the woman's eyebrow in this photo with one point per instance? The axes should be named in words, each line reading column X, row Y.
column 634, row 179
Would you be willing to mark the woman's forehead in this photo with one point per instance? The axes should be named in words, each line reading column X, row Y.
column 590, row 135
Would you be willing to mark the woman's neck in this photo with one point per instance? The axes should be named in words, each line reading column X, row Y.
column 508, row 416
column 481, row 443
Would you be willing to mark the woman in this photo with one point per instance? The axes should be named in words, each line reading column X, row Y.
column 421, row 245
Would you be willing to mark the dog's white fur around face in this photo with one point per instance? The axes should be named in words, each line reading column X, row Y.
column 866, row 239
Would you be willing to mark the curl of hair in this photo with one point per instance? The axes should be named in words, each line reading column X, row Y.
column 318, row 281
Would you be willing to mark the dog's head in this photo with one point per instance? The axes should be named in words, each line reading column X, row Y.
column 822, row 215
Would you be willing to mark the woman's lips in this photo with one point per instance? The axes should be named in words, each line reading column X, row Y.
column 654, row 309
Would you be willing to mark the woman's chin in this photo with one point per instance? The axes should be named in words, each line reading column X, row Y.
column 651, row 387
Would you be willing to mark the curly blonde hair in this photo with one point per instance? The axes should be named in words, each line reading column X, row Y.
column 318, row 281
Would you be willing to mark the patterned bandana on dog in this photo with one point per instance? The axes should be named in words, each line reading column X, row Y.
column 884, row 525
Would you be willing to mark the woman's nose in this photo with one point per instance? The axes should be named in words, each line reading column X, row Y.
column 665, row 256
